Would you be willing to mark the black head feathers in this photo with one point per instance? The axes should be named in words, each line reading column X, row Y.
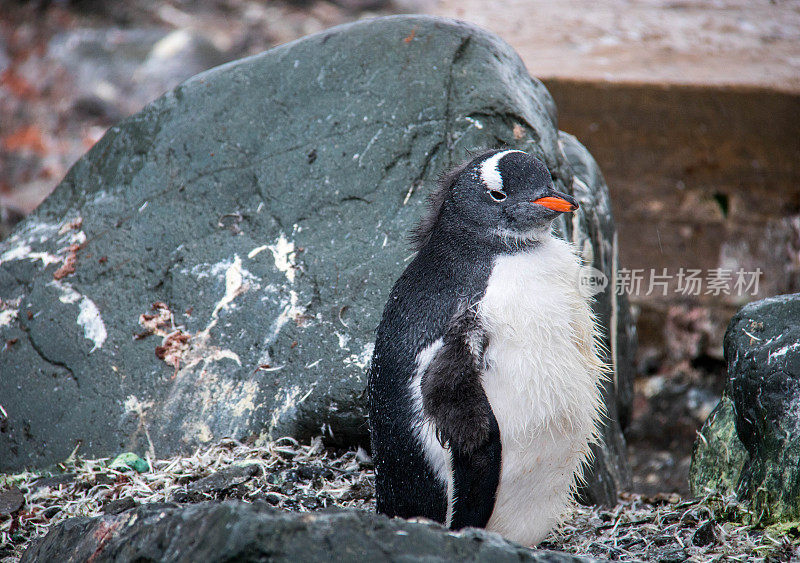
column 498, row 197
column 421, row 234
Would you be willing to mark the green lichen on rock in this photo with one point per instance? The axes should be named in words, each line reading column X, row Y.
column 718, row 455
column 127, row 461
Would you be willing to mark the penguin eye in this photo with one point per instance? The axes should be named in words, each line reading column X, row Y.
column 497, row 195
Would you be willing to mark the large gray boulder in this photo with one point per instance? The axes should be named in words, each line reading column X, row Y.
column 237, row 531
column 217, row 264
column 750, row 444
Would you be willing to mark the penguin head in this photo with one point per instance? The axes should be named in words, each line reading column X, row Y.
column 497, row 197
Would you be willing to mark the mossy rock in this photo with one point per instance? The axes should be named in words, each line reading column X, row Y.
column 719, row 455
column 751, row 442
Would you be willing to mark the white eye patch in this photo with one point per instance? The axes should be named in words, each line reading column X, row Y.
column 490, row 171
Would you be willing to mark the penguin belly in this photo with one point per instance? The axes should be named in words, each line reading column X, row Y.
column 541, row 378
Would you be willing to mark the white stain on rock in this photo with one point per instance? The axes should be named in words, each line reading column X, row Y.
column 361, row 360
column 197, row 430
column 283, row 253
column 782, row 351
column 9, row 310
column 220, row 269
column 93, row 327
column 68, row 294
column 89, row 318
column 343, row 340
column 286, row 403
column 134, row 405
column 292, row 310
column 234, row 286
column 73, row 232
column 257, row 250
column 7, row 316
column 15, row 253
column 24, row 252
column 34, row 233
column 475, row 123
column 237, row 281
column 217, row 354
column 214, row 398
column 246, row 402
column 212, row 395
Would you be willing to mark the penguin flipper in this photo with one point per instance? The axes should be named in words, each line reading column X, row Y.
column 453, row 397
column 475, row 480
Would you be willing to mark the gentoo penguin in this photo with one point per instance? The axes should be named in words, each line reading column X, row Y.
column 483, row 387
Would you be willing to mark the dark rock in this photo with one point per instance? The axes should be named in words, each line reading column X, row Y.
column 182, row 496
column 272, row 498
column 761, row 462
column 54, row 481
column 307, row 472
column 705, row 534
column 94, row 480
column 223, row 484
column 225, row 479
column 235, row 531
column 199, row 275
column 120, row 505
column 11, row 500
column 51, row 511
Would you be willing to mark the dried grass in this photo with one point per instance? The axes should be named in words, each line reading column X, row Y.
column 669, row 528
column 305, row 477
column 299, row 477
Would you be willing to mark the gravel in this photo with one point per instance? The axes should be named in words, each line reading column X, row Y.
column 306, row 477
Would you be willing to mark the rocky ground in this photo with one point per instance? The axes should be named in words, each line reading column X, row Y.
column 308, row 477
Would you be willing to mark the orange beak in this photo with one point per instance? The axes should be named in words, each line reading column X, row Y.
column 556, row 204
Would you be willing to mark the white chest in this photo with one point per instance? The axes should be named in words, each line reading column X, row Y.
column 541, row 379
